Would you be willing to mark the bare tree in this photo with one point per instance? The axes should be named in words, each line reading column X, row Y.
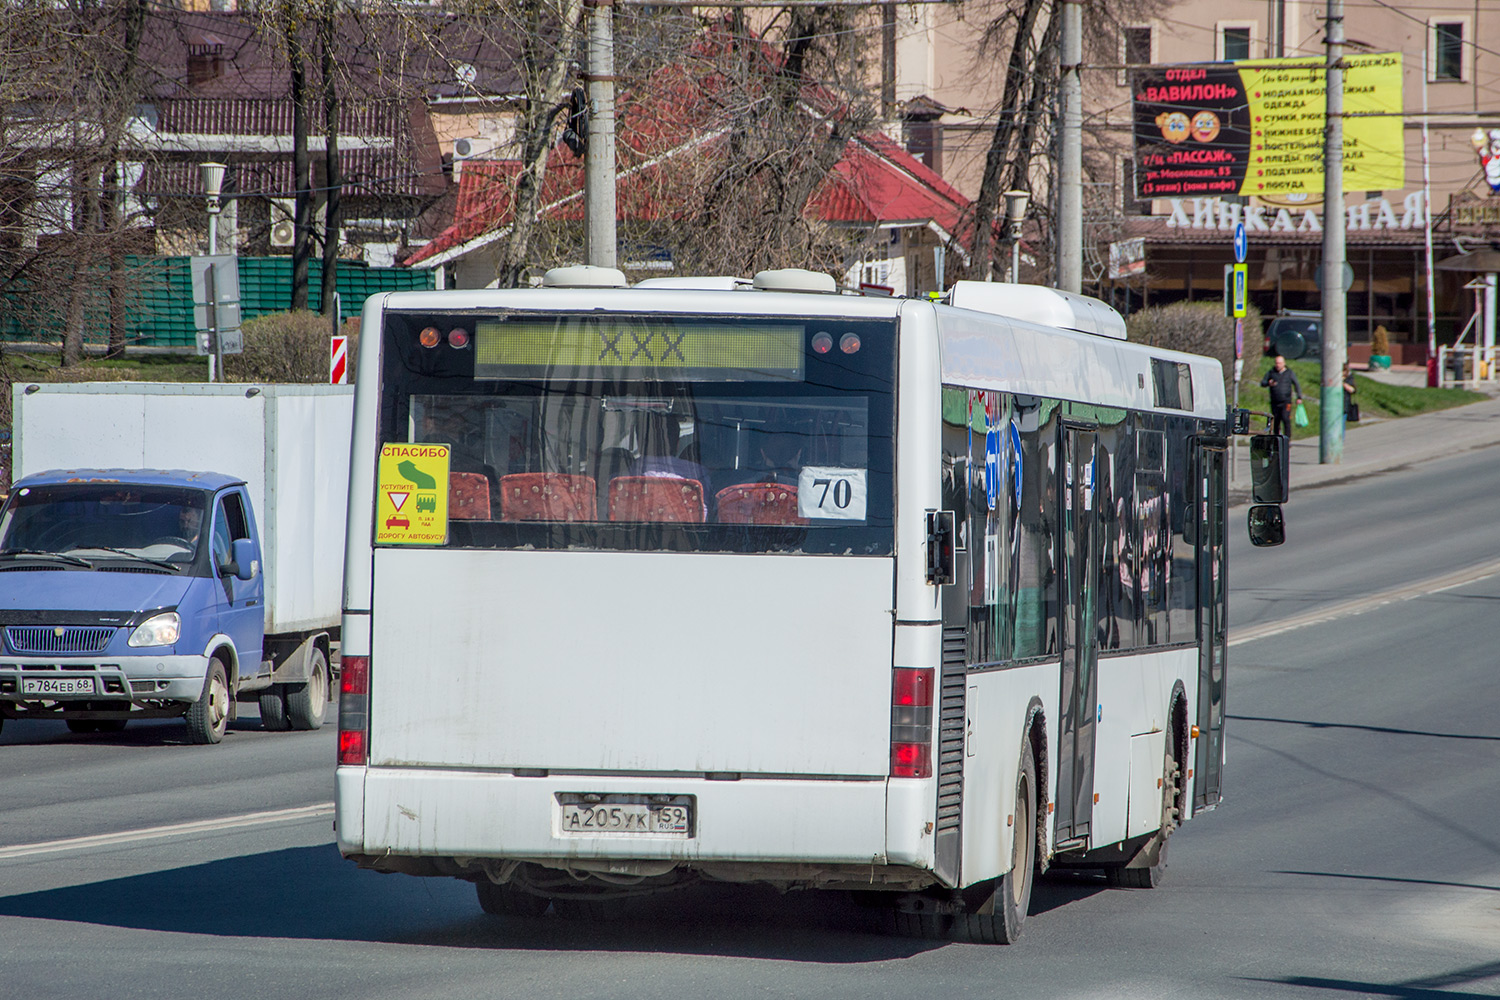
column 1021, row 142
column 333, row 182
column 551, row 32
column 69, row 85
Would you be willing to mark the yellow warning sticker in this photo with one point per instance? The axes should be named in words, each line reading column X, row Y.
column 411, row 507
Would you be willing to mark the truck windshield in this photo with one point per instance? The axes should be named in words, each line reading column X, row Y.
column 104, row 520
column 725, row 434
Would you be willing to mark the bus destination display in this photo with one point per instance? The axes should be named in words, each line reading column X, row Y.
column 620, row 347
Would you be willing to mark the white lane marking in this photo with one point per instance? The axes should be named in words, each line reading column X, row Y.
column 173, row 830
column 1359, row 605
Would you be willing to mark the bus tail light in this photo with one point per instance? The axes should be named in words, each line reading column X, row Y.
column 911, row 722
column 354, row 710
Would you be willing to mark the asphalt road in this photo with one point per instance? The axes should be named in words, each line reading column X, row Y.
column 1357, row 853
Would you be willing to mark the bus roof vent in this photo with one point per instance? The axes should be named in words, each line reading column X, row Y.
column 1039, row 304
column 794, row 279
column 584, row 276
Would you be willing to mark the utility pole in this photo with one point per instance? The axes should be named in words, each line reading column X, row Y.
column 1335, row 302
column 1070, row 160
column 599, row 158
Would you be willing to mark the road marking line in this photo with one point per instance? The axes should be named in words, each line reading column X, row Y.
column 1359, row 605
column 172, row 830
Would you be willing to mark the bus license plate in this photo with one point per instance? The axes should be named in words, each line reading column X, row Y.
column 57, row 685
column 627, row 815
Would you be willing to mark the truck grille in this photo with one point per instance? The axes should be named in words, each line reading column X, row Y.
column 57, row 639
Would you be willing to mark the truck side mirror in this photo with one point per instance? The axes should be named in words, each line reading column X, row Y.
column 1266, row 525
column 941, row 536
column 242, row 563
column 1270, row 473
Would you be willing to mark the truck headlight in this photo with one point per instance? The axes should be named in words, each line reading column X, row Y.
column 159, row 630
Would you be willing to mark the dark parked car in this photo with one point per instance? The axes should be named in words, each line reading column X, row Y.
column 1295, row 334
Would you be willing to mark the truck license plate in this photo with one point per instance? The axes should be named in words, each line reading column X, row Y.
column 57, row 685
column 638, row 815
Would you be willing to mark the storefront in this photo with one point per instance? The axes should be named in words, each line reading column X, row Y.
column 1187, row 246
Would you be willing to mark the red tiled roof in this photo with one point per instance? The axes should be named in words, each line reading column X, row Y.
column 874, row 183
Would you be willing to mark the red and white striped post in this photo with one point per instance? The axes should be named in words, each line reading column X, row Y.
column 338, row 360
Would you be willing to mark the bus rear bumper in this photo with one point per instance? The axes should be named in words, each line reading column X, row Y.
column 455, row 816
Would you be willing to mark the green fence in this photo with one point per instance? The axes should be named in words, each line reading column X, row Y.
column 159, row 301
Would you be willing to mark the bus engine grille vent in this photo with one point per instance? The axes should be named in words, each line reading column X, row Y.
column 950, row 770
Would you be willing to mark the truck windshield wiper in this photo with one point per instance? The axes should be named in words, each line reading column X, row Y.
column 164, row 564
column 44, row 554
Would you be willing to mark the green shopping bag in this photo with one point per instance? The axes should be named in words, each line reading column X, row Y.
column 1300, row 416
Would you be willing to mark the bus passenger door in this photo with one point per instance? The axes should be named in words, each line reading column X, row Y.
column 1077, row 596
column 1213, row 578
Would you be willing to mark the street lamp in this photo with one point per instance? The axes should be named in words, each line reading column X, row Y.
column 1015, row 214
column 213, row 183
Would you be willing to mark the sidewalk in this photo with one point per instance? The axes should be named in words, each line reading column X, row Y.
column 1375, row 445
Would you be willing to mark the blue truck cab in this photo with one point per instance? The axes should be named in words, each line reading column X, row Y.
column 140, row 593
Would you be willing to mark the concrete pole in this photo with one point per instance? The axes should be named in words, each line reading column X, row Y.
column 1070, row 159
column 1335, row 302
column 1434, row 373
column 599, row 160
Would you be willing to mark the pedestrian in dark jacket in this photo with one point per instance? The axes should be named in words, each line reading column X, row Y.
column 1285, row 393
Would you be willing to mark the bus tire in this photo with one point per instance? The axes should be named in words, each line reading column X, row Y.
column 508, row 901
column 1149, row 876
column 273, row 710
column 305, row 702
column 924, row 926
column 582, row 908
column 1012, row 896
column 208, row 717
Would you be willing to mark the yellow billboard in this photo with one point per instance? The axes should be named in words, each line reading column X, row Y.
column 1256, row 127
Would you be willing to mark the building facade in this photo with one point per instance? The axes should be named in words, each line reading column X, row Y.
column 1142, row 250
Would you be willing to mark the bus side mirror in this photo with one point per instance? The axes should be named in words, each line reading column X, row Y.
column 1270, row 470
column 1266, row 525
column 941, row 534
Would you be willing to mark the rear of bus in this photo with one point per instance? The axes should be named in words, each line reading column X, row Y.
column 644, row 630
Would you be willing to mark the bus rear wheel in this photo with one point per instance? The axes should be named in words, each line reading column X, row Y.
column 508, row 901
column 1012, row 897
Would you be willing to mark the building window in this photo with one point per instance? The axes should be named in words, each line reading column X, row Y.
column 1447, row 60
column 1135, row 50
column 1234, row 41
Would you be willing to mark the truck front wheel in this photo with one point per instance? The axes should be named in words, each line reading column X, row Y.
column 208, row 717
column 305, row 702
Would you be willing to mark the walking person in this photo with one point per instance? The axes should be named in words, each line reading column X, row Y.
column 1351, row 408
column 1285, row 393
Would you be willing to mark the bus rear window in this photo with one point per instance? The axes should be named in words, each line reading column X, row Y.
column 686, row 435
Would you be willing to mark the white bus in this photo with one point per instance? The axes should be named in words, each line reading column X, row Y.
column 656, row 584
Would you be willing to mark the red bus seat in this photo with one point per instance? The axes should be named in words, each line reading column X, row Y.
column 548, row 496
column 758, row 503
column 656, row 498
column 468, row 496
